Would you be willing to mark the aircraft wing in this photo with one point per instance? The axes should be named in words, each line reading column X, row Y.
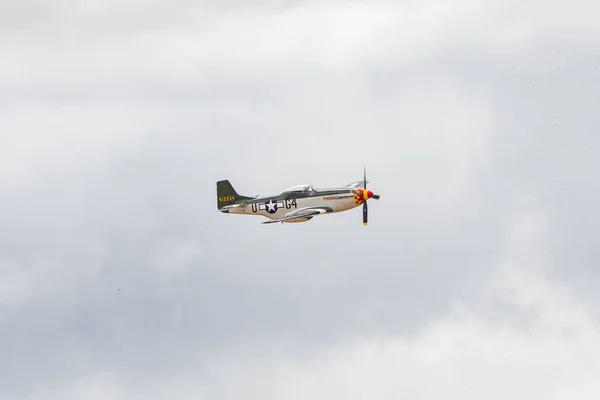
column 302, row 213
column 356, row 185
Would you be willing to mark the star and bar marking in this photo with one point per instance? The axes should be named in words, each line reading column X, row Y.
column 271, row 206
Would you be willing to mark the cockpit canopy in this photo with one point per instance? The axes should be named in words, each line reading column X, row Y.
column 307, row 189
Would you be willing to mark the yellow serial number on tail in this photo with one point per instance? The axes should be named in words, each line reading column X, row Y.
column 227, row 198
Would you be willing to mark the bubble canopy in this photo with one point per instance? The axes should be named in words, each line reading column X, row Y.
column 301, row 188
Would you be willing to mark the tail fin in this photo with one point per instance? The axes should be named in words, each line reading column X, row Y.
column 227, row 195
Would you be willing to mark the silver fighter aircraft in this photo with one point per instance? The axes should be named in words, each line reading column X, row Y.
column 296, row 204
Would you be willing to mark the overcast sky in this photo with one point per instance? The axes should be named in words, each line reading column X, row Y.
column 476, row 278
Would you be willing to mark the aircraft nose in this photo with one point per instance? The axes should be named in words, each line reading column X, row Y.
column 366, row 194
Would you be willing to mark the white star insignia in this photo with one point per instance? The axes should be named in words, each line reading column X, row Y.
column 270, row 205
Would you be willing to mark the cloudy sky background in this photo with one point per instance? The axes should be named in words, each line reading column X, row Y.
column 476, row 278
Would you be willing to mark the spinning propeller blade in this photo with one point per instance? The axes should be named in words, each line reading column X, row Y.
column 365, row 207
column 365, row 213
column 366, row 195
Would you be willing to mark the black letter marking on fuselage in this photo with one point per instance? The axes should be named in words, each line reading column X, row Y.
column 254, row 207
column 289, row 205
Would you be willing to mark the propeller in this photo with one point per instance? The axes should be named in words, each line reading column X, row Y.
column 365, row 207
column 366, row 195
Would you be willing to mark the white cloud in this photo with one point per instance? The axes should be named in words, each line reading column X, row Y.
column 313, row 36
column 460, row 357
column 469, row 354
column 116, row 190
column 90, row 6
column 39, row 140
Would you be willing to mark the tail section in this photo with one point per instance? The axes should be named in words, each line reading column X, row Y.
column 227, row 195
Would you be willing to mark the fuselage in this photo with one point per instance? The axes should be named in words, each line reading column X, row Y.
column 273, row 207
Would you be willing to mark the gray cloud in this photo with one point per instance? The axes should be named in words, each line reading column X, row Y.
column 119, row 278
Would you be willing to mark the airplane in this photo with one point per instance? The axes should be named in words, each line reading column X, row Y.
column 298, row 203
